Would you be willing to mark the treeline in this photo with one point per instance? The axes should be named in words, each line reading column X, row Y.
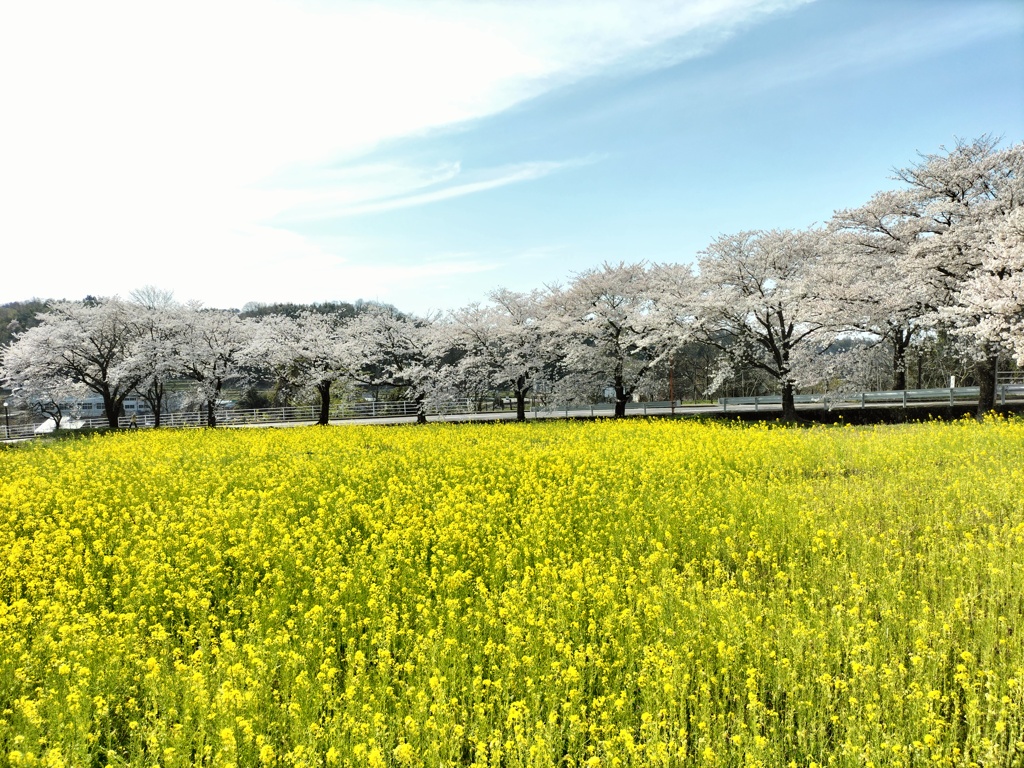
column 920, row 283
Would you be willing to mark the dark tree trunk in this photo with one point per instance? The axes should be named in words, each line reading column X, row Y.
column 621, row 398
column 154, row 397
column 986, row 372
column 157, row 406
column 211, row 405
column 53, row 411
column 781, row 354
column 324, row 388
column 899, row 380
column 111, row 407
column 421, row 413
column 788, row 401
column 900, row 345
column 522, row 388
column 899, row 369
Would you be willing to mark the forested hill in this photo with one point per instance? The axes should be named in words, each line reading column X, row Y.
column 18, row 316
column 290, row 309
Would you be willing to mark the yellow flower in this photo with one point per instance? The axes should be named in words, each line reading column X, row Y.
column 404, row 753
column 267, row 754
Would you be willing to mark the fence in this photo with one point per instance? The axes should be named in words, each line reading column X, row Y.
column 18, row 431
column 390, row 409
column 567, row 410
column 377, row 410
column 1006, row 392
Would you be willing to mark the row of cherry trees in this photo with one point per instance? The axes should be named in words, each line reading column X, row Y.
column 941, row 255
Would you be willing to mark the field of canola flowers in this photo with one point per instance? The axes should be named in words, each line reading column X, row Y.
column 557, row 594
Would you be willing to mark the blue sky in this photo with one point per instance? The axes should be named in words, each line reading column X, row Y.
column 424, row 153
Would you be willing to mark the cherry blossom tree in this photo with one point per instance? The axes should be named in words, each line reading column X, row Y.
column 674, row 312
column 988, row 310
column 866, row 276
column 757, row 306
column 384, row 347
column 84, row 343
column 964, row 194
column 155, row 360
column 502, row 345
column 604, row 328
column 50, row 398
column 307, row 351
column 209, row 346
column 151, row 297
column 675, row 291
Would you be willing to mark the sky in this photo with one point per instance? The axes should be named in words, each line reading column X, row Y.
column 423, row 153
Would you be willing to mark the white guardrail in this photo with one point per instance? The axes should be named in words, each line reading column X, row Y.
column 407, row 409
column 372, row 411
column 378, row 410
column 902, row 398
column 383, row 409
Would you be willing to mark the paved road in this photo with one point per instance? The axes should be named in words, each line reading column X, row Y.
column 679, row 410
column 591, row 412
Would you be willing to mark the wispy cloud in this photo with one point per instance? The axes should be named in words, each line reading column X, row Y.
column 874, row 47
column 480, row 181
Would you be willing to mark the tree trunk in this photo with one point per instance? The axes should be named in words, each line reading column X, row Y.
column 53, row 410
column 788, row 401
column 157, row 405
column 211, row 405
column 986, row 372
column 154, row 397
column 111, row 407
column 899, row 365
column 521, row 389
column 324, row 388
column 621, row 397
column 421, row 413
column 900, row 344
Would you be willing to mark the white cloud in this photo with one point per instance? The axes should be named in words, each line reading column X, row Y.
column 136, row 135
column 344, row 200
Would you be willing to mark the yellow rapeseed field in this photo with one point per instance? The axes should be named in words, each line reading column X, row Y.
column 634, row 593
